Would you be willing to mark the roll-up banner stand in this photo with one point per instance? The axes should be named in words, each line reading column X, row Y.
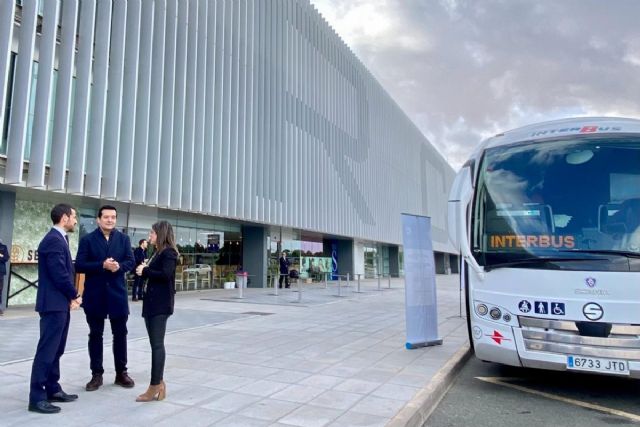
column 421, row 304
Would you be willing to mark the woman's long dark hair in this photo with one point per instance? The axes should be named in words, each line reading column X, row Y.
column 164, row 236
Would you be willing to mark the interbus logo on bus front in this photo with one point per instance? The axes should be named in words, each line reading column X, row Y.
column 577, row 129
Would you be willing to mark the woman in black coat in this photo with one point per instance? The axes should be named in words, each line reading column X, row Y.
column 158, row 301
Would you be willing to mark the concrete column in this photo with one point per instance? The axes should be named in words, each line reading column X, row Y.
column 443, row 265
column 254, row 254
column 447, row 263
column 344, row 254
column 394, row 262
column 7, row 207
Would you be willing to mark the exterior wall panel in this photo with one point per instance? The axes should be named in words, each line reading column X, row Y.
column 113, row 124
column 146, row 118
column 80, row 131
column 17, row 137
column 96, row 140
column 249, row 109
column 43, row 110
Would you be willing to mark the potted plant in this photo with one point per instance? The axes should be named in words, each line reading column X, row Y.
column 230, row 280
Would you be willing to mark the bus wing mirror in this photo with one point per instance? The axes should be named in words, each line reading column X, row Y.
column 459, row 198
column 453, row 219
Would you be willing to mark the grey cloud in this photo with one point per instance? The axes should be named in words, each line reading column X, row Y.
column 477, row 67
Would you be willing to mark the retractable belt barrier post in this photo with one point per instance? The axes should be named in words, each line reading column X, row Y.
column 389, row 278
column 241, row 282
column 358, row 289
column 275, row 285
column 348, row 282
column 339, row 286
column 379, row 283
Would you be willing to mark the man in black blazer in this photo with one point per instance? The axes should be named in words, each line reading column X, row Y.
column 4, row 257
column 105, row 256
column 140, row 254
column 56, row 295
column 284, row 269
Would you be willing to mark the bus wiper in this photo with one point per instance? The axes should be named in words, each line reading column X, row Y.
column 537, row 260
column 627, row 254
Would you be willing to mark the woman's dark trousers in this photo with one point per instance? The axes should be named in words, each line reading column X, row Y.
column 156, row 328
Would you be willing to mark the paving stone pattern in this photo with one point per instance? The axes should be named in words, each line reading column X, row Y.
column 258, row 361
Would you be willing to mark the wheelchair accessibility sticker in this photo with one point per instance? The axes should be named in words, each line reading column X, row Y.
column 557, row 308
column 544, row 307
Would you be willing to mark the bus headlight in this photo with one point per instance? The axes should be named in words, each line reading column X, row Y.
column 495, row 313
column 482, row 309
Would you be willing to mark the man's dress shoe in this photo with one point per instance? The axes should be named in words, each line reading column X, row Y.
column 61, row 396
column 44, row 407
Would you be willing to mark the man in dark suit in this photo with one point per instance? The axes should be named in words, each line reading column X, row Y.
column 105, row 255
column 140, row 254
column 284, row 270
column 4, row 257
column 56, row 295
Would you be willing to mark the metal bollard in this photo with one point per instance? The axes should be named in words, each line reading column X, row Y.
column 379, row 283
column 299, row 289
column 339, row 286
column 389, row 277
column 325, row 280
column 348, row 282
column 275, row 285
column 240, row 279
column 358, row 283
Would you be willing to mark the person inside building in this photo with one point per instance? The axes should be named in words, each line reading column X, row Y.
column 284, row 269
column 140, row 254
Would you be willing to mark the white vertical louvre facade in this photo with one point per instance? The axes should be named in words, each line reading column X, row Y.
column 247, row 109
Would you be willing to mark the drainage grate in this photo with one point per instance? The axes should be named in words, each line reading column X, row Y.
column 257, row 313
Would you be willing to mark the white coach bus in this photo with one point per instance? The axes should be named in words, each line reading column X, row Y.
column 547, row 221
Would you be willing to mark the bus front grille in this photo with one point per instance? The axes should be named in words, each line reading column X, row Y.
column 560, row 336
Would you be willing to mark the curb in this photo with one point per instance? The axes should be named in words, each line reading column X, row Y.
column 418, row 410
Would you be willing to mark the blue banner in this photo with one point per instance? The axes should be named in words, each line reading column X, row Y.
column 421, row 305
column 334, row 260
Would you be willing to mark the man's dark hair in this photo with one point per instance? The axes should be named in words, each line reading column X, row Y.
column 59, row 210
column 141, row 242
column 106, row 208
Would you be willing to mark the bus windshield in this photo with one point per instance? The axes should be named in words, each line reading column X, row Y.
column 556, row 199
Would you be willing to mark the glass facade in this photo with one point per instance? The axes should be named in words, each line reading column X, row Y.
column 32, row 108
column 210, row 249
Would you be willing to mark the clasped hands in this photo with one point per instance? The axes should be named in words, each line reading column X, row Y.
column 111, row 265
column 75, row 303
column 140, row 268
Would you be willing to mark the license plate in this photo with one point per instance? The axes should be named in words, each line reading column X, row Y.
column 598, row 364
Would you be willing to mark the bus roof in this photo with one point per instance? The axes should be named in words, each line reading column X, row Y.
column 572, row 126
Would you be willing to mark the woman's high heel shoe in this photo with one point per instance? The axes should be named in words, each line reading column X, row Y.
column 154, row 392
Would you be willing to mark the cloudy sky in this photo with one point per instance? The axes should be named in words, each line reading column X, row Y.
column 464, row 70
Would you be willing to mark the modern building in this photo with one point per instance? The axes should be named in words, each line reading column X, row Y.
column 248, row 124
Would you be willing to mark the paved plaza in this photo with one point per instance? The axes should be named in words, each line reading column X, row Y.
column 263, row 360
